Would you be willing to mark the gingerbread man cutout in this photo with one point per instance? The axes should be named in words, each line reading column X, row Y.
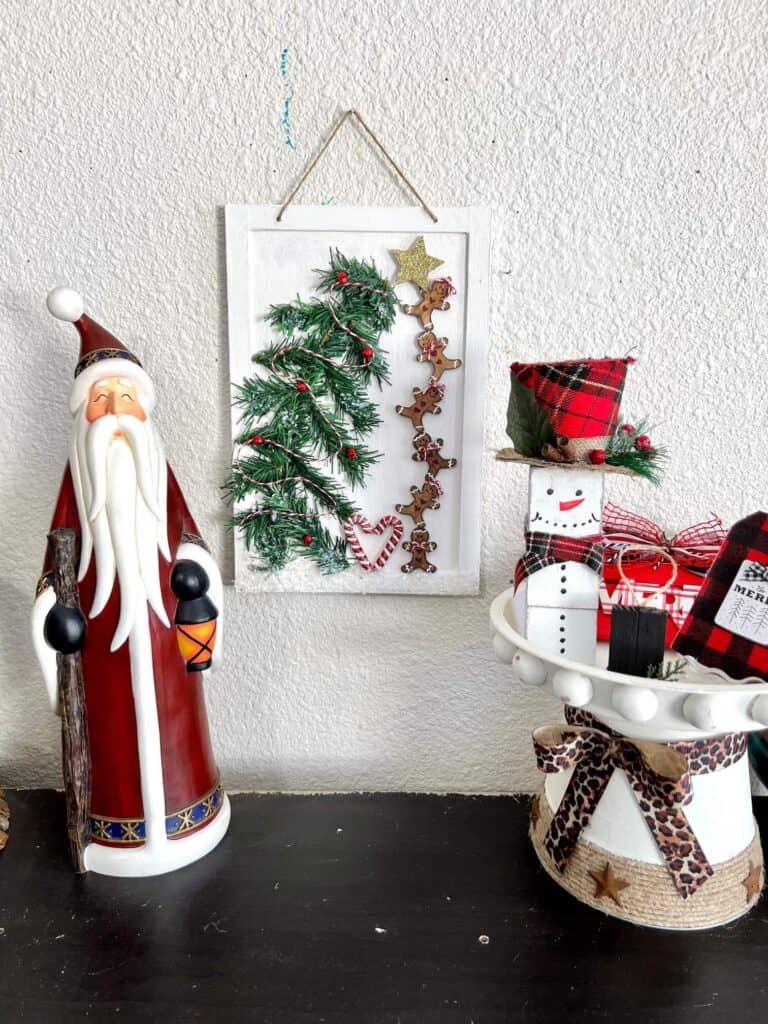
column 428, row 451
column 422, row 499
column 434, row 298
column 419, row 546
column 433, row 351
column 425, row 401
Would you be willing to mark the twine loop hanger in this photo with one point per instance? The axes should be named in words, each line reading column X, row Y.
column 374, row 138
column 631, row 586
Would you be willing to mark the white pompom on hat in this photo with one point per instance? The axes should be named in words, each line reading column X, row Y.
column 101, row 354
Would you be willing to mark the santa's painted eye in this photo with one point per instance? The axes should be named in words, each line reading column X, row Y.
column 128, row 397
column 550, row 491
column 578, row 494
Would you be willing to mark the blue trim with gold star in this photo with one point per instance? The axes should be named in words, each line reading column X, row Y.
column 100, row 354
column 134, row 830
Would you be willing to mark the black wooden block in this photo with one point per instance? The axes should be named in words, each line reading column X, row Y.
column 637, row 639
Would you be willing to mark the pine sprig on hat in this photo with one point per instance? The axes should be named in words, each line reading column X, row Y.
column 631, row 447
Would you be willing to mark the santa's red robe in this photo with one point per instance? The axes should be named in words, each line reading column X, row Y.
column 190, row 778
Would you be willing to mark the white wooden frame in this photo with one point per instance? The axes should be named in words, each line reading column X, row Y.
column 246, row 307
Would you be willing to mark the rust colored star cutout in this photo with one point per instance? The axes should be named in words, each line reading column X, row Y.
column 535, row 811
column 607, row 884
column 753, row 883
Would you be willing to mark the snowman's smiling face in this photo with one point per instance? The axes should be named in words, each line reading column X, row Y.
column 565, row 501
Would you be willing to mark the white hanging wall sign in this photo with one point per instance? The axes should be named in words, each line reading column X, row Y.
column 437, row 548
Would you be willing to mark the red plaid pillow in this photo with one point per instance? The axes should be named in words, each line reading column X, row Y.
column 582, row 397
column 737, row 650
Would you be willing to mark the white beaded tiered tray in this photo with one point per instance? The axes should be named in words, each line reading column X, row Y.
column 701, row 705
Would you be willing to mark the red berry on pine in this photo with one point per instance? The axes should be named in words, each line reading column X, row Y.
column 367, row 352
column 302, row 386
column 351, row 453
column 342, row 277
column 597, row 457
column 627, row 428
column 257, row 439
column 643, row 443
column 307, row 538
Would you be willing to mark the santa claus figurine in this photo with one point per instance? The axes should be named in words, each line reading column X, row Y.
column 156, row 798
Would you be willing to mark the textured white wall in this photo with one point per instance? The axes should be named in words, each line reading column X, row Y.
column 622, row 148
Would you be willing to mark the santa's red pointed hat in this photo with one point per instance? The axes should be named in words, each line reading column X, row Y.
column 567, row 409
column 101, row 354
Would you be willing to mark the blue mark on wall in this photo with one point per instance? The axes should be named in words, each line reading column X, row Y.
column 285, row 121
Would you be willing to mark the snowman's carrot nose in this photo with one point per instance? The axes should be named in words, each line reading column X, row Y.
column 565, row 506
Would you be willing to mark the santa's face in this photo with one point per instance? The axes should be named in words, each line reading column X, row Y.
column 113, row 396
column 565, row 501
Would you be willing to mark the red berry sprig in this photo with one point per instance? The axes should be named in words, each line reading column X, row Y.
column 643, row 443
column 307, row 538
column 597, row 457
column 257, row 439
column 302, row 386
column 627, row 428
column 368, row 352
column 342, row 277
column 352, row 453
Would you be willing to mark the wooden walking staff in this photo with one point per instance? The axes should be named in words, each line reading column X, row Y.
column 74, row 727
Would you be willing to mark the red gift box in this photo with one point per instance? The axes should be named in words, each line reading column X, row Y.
column 693, row 549
column 647, row 579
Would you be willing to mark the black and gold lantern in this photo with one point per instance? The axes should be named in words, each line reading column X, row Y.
column 196, row 615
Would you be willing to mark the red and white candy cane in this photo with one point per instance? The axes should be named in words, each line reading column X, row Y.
column 367, row 527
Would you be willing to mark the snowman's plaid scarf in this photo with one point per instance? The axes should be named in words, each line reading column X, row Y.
column 543, row 549
column 582, row 397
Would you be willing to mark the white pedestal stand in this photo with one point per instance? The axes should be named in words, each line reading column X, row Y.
column 700, row 705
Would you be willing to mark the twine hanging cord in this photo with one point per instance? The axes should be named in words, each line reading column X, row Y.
column 377, row 142
column 632, row 587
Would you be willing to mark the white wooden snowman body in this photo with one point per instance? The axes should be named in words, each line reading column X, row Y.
column 559, row 603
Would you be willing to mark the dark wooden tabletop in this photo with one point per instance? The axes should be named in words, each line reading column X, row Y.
column 386, row 908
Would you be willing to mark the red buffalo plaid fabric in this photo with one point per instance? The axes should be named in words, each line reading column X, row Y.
column 543, row 549
column 714, row 645
column 582, row 397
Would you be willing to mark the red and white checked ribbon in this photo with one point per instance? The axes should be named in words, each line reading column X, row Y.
column 367, row 527
column 695, row 547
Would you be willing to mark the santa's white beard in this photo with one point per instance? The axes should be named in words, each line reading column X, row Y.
column 120, row 486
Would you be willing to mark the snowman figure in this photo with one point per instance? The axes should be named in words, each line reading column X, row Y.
column 558, row 577
column 561, row 418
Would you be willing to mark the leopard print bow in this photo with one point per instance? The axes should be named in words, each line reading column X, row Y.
column 660, row 779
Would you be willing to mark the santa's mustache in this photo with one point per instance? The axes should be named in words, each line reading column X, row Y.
column 98, row 438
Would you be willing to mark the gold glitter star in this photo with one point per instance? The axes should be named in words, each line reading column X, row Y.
column 415, row 264
column 753, row 882
column 607, row 884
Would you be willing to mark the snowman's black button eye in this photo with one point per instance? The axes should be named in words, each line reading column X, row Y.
column 550, row 491
column 578, row 494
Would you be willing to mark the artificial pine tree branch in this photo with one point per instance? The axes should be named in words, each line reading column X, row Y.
column 305, row 417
